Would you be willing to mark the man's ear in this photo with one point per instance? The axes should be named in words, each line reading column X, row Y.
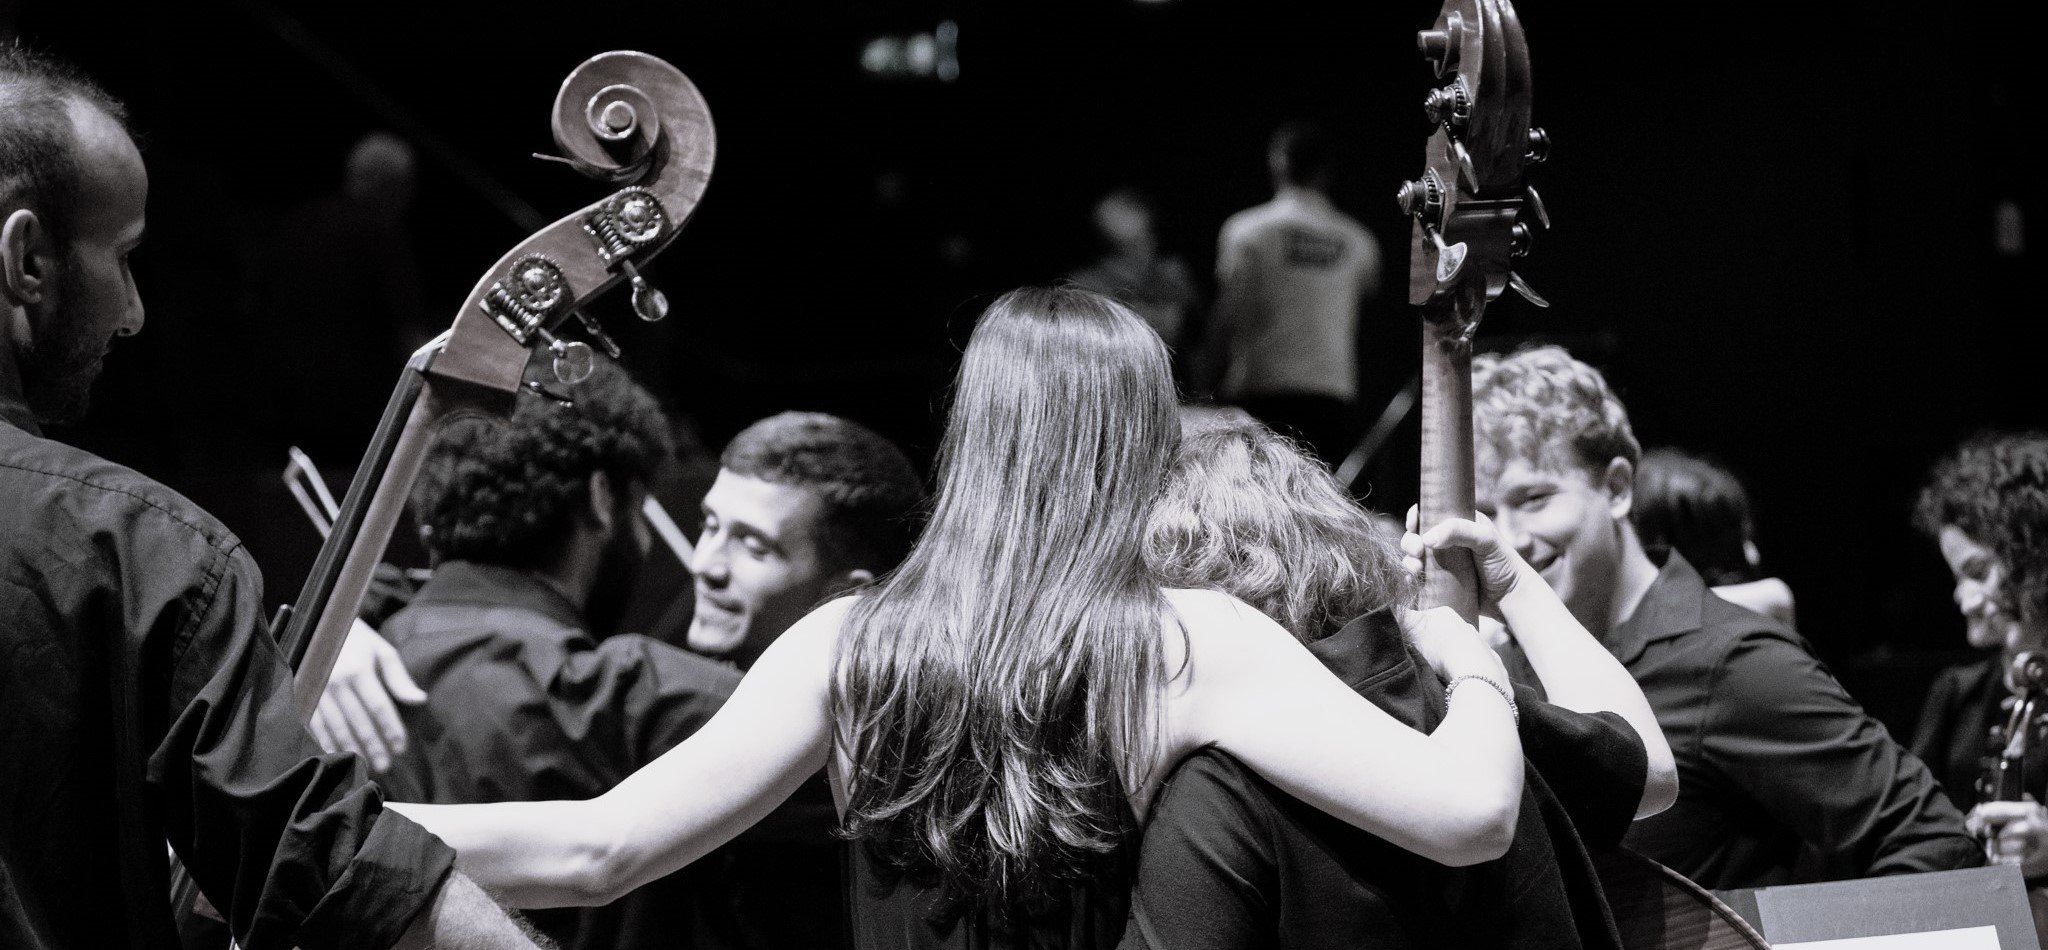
column 1620, row 482
column 23, row 278
column 604, row 500
column 849, row 579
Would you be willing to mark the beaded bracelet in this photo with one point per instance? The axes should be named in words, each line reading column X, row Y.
column 1514, row 712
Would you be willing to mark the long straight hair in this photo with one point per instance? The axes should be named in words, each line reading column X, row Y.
column 997, row 695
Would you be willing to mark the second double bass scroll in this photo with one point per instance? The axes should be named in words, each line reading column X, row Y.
column 1471, row 215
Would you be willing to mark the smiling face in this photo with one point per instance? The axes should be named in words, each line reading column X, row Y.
column 1980, row 590
column 1568, row 525
column 758, row 565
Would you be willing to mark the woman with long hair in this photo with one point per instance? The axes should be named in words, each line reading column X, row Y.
column 996, row 714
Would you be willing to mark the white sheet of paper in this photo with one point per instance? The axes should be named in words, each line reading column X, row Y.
column 1967, row 938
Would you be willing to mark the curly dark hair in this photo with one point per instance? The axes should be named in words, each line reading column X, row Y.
column 1994, row 488
column 871, row 492
column 505, row 492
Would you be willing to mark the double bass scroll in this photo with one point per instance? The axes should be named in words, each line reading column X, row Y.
column 1470, row 214
column 625, row 118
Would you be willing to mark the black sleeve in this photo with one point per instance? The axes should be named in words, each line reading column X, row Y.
column 1780, row 727
column 293, row 846
column 1205, row 874
column 655, row 694
column 1595, row 763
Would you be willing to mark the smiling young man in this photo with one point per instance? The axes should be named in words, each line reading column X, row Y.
column 1782, row 776
column 806, row 505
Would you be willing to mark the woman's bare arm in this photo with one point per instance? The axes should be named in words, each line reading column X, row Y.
column 1577, row 672
column 768, row 738
column 1251, row 689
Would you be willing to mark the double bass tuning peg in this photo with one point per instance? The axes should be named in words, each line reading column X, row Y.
column 1535, row 203
column 1441, row 47
column 648, row 301
column 573, row 360
column 596, row 332
column 1449, row 105
column 1528, row 293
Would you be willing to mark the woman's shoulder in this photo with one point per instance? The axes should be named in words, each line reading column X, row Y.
column 1214, row 622
column 817, row 632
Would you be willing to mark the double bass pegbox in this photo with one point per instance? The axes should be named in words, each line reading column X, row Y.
column 522, row 302
column 523, row 299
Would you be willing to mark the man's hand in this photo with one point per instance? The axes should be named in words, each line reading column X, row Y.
column 2018, row 832
column 463, row 917
column 1500, row 568
column 358, row 711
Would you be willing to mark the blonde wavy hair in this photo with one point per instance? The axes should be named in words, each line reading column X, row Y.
column 1545, row 407
column 1248, row 512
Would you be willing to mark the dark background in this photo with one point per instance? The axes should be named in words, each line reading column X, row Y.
column 1774, row 226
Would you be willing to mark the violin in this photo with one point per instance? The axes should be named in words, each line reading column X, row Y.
column 2007, row 780
column 1473, row 214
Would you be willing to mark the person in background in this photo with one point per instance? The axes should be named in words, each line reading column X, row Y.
column 1694, row 505
column 335, row 302
column 530, row 692
column 805, row 506
column 1985, row 504
column 1228, row 861
column 1290, row 277
column 1134, row 271
column 1773, row 755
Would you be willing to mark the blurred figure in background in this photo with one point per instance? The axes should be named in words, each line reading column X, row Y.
column 1986, row 505
column 1290, row 275
column 1695, row 506
column 336, row 303
column 1155, row 286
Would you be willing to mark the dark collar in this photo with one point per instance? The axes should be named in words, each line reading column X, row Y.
column 1673, row 605
column 1367, row 648
column 492, row 585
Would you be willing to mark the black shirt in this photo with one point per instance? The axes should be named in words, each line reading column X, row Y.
column 142, row 700
column 1773, row 756
column 1230, row 862
column 524, row 705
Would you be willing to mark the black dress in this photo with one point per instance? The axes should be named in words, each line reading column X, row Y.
column 892, row 911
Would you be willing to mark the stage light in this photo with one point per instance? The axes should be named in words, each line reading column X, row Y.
column 915, row 56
